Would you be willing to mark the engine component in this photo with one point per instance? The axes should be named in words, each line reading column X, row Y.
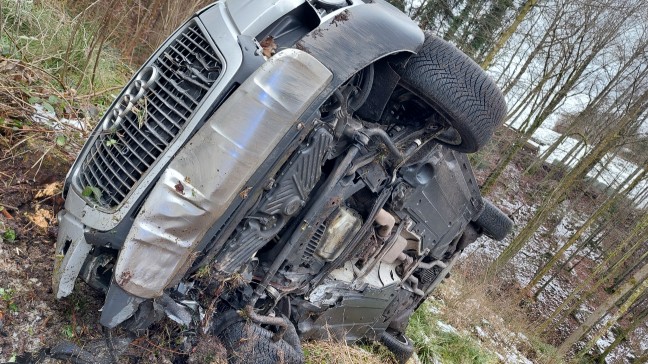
column 295, row 183
column 439, row 213
column 395, row 252
column 386, row 222
column 289, row 195
column 345, row 224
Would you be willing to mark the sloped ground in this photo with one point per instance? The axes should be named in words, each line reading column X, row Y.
column 513, row 195
column 31, row 171
column 29, row 316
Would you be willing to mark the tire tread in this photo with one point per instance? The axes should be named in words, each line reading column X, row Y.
column 459, row 89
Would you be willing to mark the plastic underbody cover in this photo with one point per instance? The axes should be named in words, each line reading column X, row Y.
column 213, row 168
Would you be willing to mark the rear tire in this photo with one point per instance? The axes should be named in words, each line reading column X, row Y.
column 399, row 345
column 493, row 222
column 458, row 89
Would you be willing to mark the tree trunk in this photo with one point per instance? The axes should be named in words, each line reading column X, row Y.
column 604, row 308
column 589, row 283
column 508, row 33
column 624, row 275
column 638, row 291
column 566, row 184
column 574, row 238
column 544, row 270
column 457, row 21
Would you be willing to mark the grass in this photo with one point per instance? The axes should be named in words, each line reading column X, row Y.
column 45, row 37
column 59, row 62
column 320, row 352
column 8, row 296
column 470, row 304
column 7, row 235
column 433, row 343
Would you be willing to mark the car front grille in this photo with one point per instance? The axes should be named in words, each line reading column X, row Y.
column 124, row 152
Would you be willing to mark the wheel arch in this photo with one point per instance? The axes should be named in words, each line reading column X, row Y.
column 368, row 32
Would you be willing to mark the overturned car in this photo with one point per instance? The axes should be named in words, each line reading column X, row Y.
column 310, row 155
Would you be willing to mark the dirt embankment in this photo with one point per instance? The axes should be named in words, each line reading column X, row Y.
column 30, row 182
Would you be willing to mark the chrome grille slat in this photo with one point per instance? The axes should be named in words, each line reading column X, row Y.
column 116, row 188
column 167, row 131
column 174, row 97
column 109, row 164
column 172, row 108
column 132, row 152
column 202, row 49
column 120, row 158
column 153, row 132
column 125, row 170
column 97, row 183
column 175, row 84
column 160, row 137
column 173, row 94
column 130, row 134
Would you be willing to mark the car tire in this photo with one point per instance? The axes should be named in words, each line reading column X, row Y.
column 458, row 89
column 247, row 342
column 493, row 222
column 399, row 345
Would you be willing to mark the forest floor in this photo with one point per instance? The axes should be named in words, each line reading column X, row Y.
column 516, row 194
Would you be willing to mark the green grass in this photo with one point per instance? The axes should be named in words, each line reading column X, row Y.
column 449, row 348
column 71, row 49
column 7, row 235
column 7, row 295
column 545, row 353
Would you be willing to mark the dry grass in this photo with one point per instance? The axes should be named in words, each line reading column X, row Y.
column 492, row 312
column 475, row 297
column 140, row 26
column 317, row 352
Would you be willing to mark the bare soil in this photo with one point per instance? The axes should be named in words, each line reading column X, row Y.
column 31, row 319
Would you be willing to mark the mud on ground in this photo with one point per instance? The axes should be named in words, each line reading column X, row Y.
column 30, row 195
column 32, row 168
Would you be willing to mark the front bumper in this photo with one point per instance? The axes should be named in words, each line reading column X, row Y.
column 83, row 215
column 213, row 168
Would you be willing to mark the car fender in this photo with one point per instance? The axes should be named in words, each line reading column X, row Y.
column 357, row 36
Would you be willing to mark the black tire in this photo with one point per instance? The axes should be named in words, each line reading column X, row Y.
column 399, row 345
column 493, row 222
column 457, row 88
column 247, row 342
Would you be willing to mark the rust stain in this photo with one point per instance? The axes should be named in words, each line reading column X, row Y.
column 317, row 33
column 341, row 17
column 269, row 46
column 300, row 46
column 125, row 277
column 245, row 193
column 179, row 187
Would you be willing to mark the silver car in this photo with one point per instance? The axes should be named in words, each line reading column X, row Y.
column 305, row 159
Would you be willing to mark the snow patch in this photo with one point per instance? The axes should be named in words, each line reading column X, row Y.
column 446, row 328
column 49, row 118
